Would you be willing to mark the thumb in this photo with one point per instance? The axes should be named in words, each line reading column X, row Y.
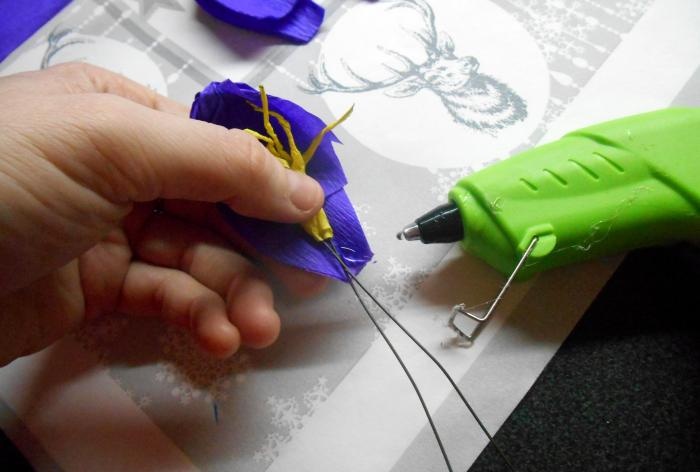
column 152, row 154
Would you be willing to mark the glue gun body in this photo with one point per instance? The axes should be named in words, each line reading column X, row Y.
column 598, row 191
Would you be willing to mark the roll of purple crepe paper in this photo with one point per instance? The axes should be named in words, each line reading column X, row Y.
column 295, row 20
column 19, row 19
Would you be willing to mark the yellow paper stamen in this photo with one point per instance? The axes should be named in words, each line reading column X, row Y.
column 266, row 122
column 308, row 154
column 260, row 137
column 296, row 161
column 318, row 226
column 270, row 145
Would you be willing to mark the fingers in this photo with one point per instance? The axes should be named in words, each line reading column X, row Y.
column 169, row 242
column 180, row 299
column 146, row 154
column 86, row 78
column 251, row 310
column 298, row 282
column 78, row 78
column 142, row 154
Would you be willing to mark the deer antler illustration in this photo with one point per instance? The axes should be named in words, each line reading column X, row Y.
column 474, row 99
column 56, row 43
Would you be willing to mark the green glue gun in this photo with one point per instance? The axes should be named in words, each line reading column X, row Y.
column 598, row 191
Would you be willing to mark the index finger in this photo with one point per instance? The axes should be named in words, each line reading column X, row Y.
column 138, row 154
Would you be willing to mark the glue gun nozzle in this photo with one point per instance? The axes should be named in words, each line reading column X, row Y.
column 409, row 233
column 443, row 224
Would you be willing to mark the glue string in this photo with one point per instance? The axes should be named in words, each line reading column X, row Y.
column 354, row 280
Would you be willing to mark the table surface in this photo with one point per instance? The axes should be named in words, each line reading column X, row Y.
column 623, row 391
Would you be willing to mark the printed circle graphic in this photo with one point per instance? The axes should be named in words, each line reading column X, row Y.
column 108, row 53
column 449, row 84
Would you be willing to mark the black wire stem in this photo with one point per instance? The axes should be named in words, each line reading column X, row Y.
column 454, row 385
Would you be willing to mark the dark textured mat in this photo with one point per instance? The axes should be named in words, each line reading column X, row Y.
column 10, row 458
column 623, row 392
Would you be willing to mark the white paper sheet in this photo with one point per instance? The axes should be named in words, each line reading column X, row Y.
column 329, row 396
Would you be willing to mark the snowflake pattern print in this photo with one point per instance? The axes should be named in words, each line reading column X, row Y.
column 192, row 374
column 288, row 416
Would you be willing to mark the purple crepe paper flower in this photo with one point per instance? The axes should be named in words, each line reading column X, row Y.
column 296, row 20
column 228, row 104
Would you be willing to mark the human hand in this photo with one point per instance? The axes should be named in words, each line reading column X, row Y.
column 86, row 156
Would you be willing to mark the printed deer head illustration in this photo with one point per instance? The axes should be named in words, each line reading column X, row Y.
column 474, row 99
column 57, row 41
column 69, row 45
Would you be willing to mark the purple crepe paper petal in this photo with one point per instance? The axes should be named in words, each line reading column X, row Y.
column 19, row 20
column 296, row 20
column 257, row 9
column 291, row 245
column 225, row 104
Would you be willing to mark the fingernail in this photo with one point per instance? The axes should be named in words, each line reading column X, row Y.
column 305, row 192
